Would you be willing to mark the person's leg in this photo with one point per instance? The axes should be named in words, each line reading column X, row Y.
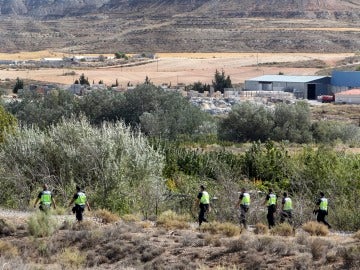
column 268, row 217
column 243, row 211
column 79, row 213
column 282, row 216
column 320, row 216
column 201, row 214
column 272, row 217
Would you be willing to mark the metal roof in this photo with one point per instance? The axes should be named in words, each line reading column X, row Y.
column 349, row 92
column 285, row 78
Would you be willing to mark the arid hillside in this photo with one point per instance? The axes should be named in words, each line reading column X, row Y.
column 107, row 26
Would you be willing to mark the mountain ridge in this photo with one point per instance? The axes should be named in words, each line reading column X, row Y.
column 64, row 8
column 105, row 26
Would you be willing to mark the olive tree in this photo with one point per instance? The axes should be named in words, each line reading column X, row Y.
column 118, row 168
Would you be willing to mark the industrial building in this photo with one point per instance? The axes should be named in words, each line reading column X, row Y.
column 349, row 79
column 307, row 87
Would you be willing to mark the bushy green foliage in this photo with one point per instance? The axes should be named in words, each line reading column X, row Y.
column 161, row 113
column 8, row 123
column 330, row 131
column 118, row 168
column 287, row 122
column 41, row 225
column 18, row 85
column 246, row 121
column 43, row 111
column 221, row 81
column 292, row 123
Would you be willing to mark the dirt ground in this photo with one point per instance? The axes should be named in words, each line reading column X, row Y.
column 176, row 68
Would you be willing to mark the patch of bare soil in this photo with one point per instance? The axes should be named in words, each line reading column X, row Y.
column 186, row 68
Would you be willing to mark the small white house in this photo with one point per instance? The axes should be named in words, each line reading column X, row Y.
column 348, row 97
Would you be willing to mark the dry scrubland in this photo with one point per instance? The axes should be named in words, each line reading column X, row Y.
column 103, row 241
column 177, row 68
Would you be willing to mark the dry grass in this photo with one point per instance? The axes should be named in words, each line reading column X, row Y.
column 315, row 228
column 261, row 228
column 105, row 216
column 131, row 218
column 228, row 229
column 171, row 220
column 71, row 258
column 84, row 225
column 6, row 228
column 357, row 235
column 7, row 250
column 181, row 68
column 283, row 229
column 319, row 248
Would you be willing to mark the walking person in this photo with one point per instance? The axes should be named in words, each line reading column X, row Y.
column 271, row 202
column 203, row 200
column 244, row 204
column 80, row 201
column 322, row 211
column 46, row 199
column 286, row 209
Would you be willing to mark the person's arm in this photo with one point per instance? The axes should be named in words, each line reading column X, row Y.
column 239, row 201
column 197, row 200
column 73, row 200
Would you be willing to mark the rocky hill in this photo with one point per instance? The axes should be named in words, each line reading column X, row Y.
column 63, row 8
column 105, row 26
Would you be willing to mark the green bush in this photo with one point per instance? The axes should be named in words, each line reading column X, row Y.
column 42, row 225
column 117, row 167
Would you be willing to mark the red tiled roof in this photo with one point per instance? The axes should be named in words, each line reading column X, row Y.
column 350, row 92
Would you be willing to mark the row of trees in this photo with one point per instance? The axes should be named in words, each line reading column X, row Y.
column 251, row 122
column 165, row 114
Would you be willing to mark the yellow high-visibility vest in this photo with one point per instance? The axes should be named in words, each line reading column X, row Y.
column 81, row 199
column 272, row 199
column 288, row 204
column 323, row 204
column 46, row 197
column 245, row 199
column 205, row 198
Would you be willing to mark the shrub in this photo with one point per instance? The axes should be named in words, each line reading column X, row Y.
column 227, row 228
column 105, row 216
column 351, row 257
column 357, row 235
column 131, row 217
column 236, row 245
column 315, row 228
column 71, row 258
column 8, row 250
column 302, row 262
column 283, row 229
column 41, row 225
column 261, row 228
column 84, row 225
column 6, row 228
column 319, row 248
column 171, row 220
